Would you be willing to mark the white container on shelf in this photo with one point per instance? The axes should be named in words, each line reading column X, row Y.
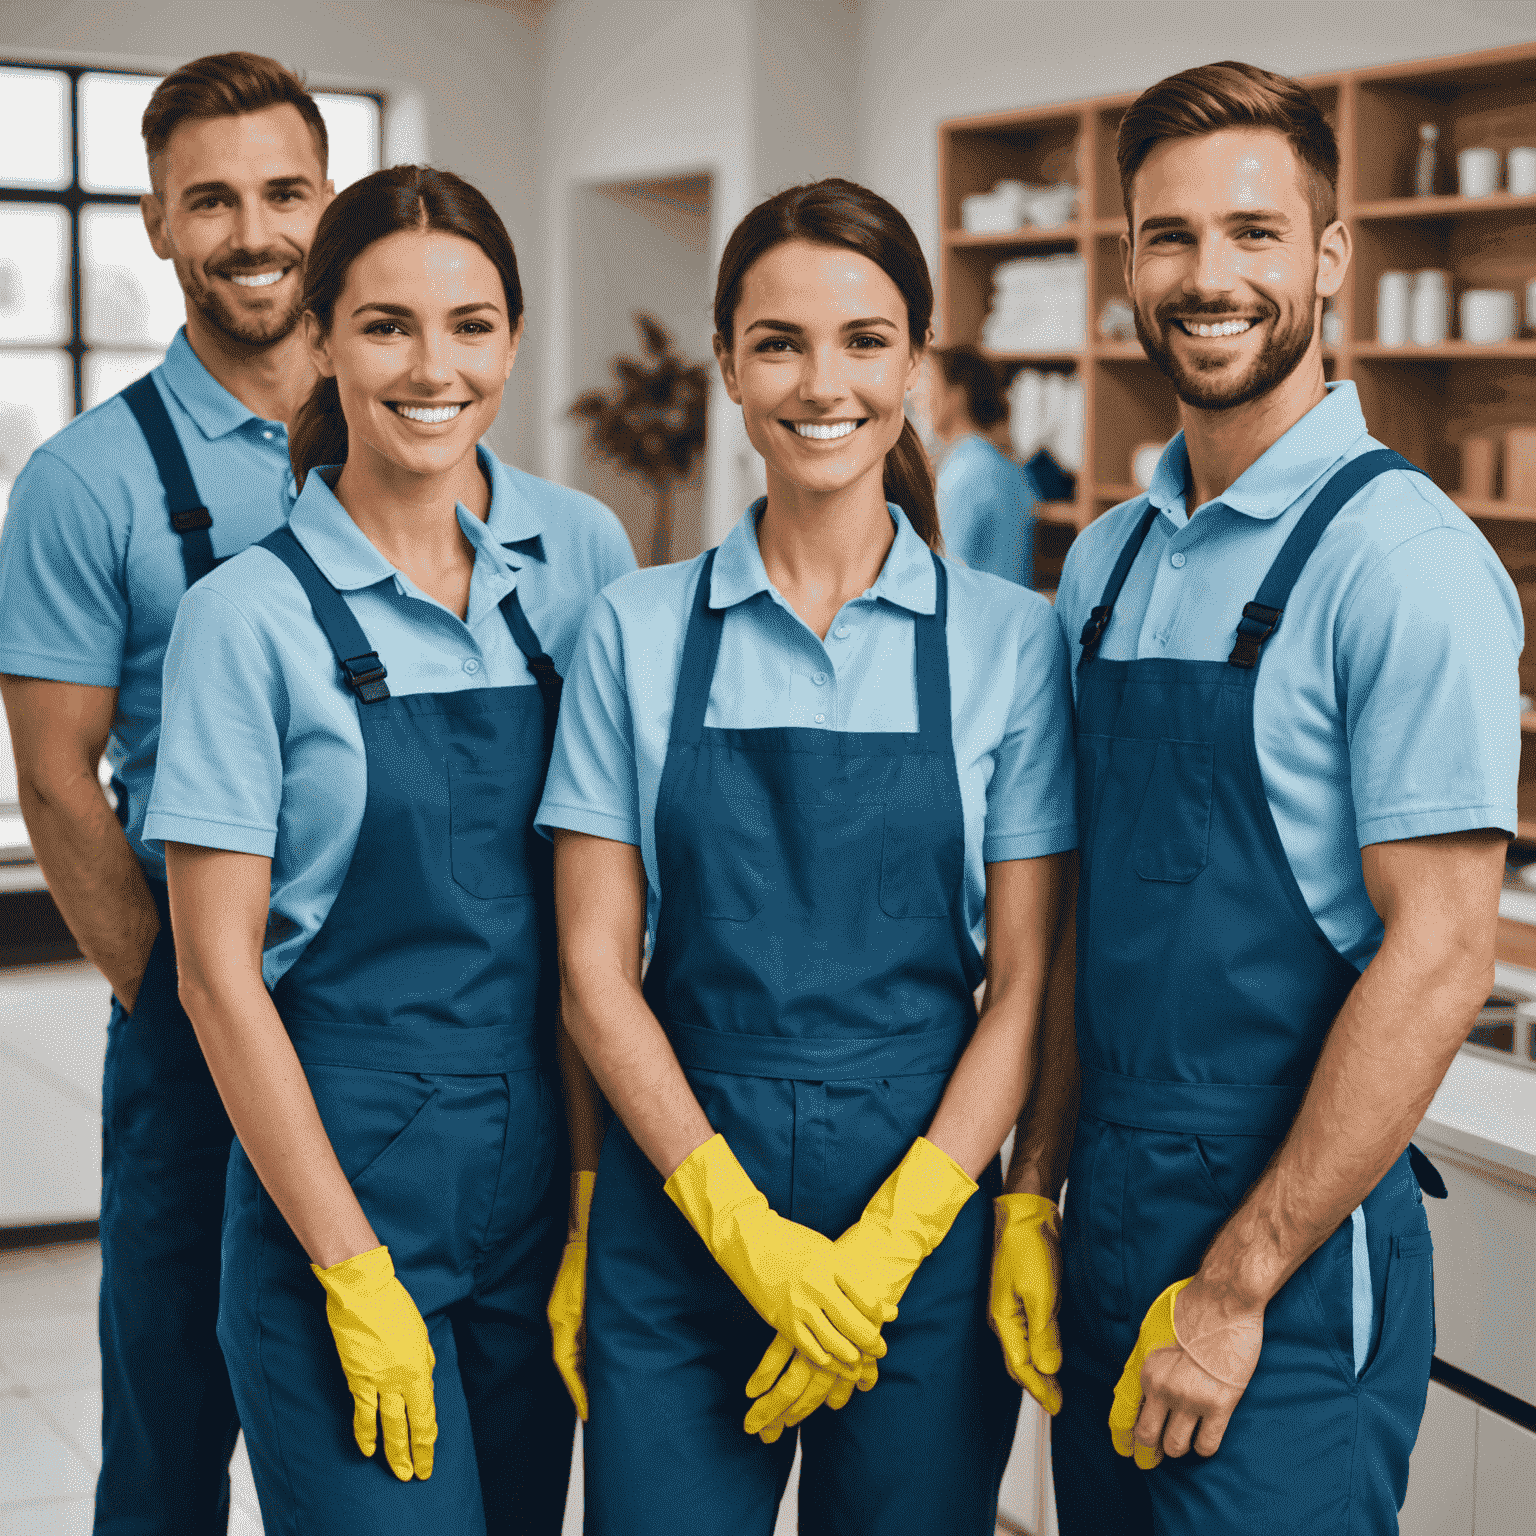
column 1477, row 172
column 1488, row 316
column 1520, row 171
column 1430, row 308
column 1392, row 293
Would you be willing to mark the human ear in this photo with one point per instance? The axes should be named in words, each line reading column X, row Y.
column 152, row 211
column 319, row 346
column 1333, row 253
column 727, row 362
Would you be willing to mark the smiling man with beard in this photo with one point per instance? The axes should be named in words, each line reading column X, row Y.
column 109, row 523
column 1298, row 741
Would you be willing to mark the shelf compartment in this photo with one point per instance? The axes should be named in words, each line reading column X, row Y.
column 1446, row 352
column 1485, row 509
column 1064, row 235
column 1443, row 206
column 1052, row 359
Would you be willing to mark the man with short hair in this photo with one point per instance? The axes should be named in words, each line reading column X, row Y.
column 109, row 523
column 1298, row 743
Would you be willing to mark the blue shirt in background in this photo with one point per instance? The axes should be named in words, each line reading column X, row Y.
column 1010, row 698
column 91, row 569
column 261, row 750
column 1387, row 702
column 987, row 510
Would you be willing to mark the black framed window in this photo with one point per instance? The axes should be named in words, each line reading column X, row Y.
column 86, row 306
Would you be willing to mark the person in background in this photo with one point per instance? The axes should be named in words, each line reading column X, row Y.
column 1298, row 742
column 810, row 764
column 110, row 522
column 358, row 716
column 986, row 500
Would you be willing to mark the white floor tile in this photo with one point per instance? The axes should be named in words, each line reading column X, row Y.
column 31, row 1285
column 35, row 1463
column 242, row 1486
column 76, row 1414
column 61, row 1517
column 46, row 1354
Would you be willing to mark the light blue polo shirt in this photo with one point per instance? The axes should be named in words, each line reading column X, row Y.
column 91, row 569
column 1387, row 701
column 261, row 750
column 987, row 510
column 1010, row 699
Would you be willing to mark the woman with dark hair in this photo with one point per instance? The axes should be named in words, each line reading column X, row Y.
column 807, row 764
column 358, row 717
column 986, row 501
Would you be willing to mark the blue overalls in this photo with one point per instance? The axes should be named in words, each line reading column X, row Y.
column 1205, row 991
column 423, row 1013
column 168, row 1422
column 814, row 972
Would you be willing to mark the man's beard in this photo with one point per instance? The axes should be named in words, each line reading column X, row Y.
column 1216, row 390
column 262, row 330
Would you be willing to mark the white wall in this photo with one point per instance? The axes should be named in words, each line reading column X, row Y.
column 629, row 253
column 921, row 61
column 462, row 80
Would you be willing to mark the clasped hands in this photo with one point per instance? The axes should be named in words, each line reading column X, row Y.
column 827, row 1301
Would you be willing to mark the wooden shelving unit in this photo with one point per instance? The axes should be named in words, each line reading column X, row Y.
column 1423, row 401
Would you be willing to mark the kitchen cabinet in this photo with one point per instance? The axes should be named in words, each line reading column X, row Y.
column 1442, row 1475
column 1505, row 1503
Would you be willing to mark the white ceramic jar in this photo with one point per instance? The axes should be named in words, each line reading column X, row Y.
column 1477, row 172
column 1392, row 291
column 1488, row 316
column 1430, row 308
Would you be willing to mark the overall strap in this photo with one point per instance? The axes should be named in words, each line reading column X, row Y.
column 360, row 665
column 540, row 663
column 930, row 639
column 1098, row 618
column 1261, row 617
column 189, row 517
column 696, row 671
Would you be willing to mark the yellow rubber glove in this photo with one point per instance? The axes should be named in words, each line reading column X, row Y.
column 387, row 1358
column 1026, row 1293
column 1156, row 1333
column 909, row 1216
column 875, row 1259
column 783, row 1400
column 568, row 1300
column 781, row 1267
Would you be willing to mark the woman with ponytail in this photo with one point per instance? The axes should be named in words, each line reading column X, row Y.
column 811, row 767
column 359, row 713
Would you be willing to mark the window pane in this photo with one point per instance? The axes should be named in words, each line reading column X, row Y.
column 108, row 372
column 111, row 147
column 129, row 296
column 34, row 128
column 34, row 272
column 352, row 126
column 37, row 397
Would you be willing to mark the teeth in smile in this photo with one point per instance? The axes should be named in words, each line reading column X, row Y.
column 824, row 432
column 429, row 414
column 260, row 279
column 1225, row 328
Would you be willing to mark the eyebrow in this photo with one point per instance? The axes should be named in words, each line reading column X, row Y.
column 1237, row 216
column 275, row 184
column 791, row 329
column 405, row 312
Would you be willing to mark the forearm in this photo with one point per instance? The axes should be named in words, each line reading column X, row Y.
column 632, row 1061
column 990, row 1084
column 253, row 1063
column 1042, row 1143
column 93, row 876
column 1386, row 1054
column 583, row 1106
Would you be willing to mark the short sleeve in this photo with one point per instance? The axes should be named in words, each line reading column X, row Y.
column 1427, row 663
column 1032, row 796
column 615, row 555
column 63, row 607
column 592, row 785
column 219, row 772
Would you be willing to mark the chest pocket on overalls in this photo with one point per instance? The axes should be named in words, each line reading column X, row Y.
column 490, row 812
column 1173, row 830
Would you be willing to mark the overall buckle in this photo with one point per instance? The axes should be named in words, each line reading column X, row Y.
column 365, row 676
column 1093, row 630
column 1253, row 629
column 193, row 519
